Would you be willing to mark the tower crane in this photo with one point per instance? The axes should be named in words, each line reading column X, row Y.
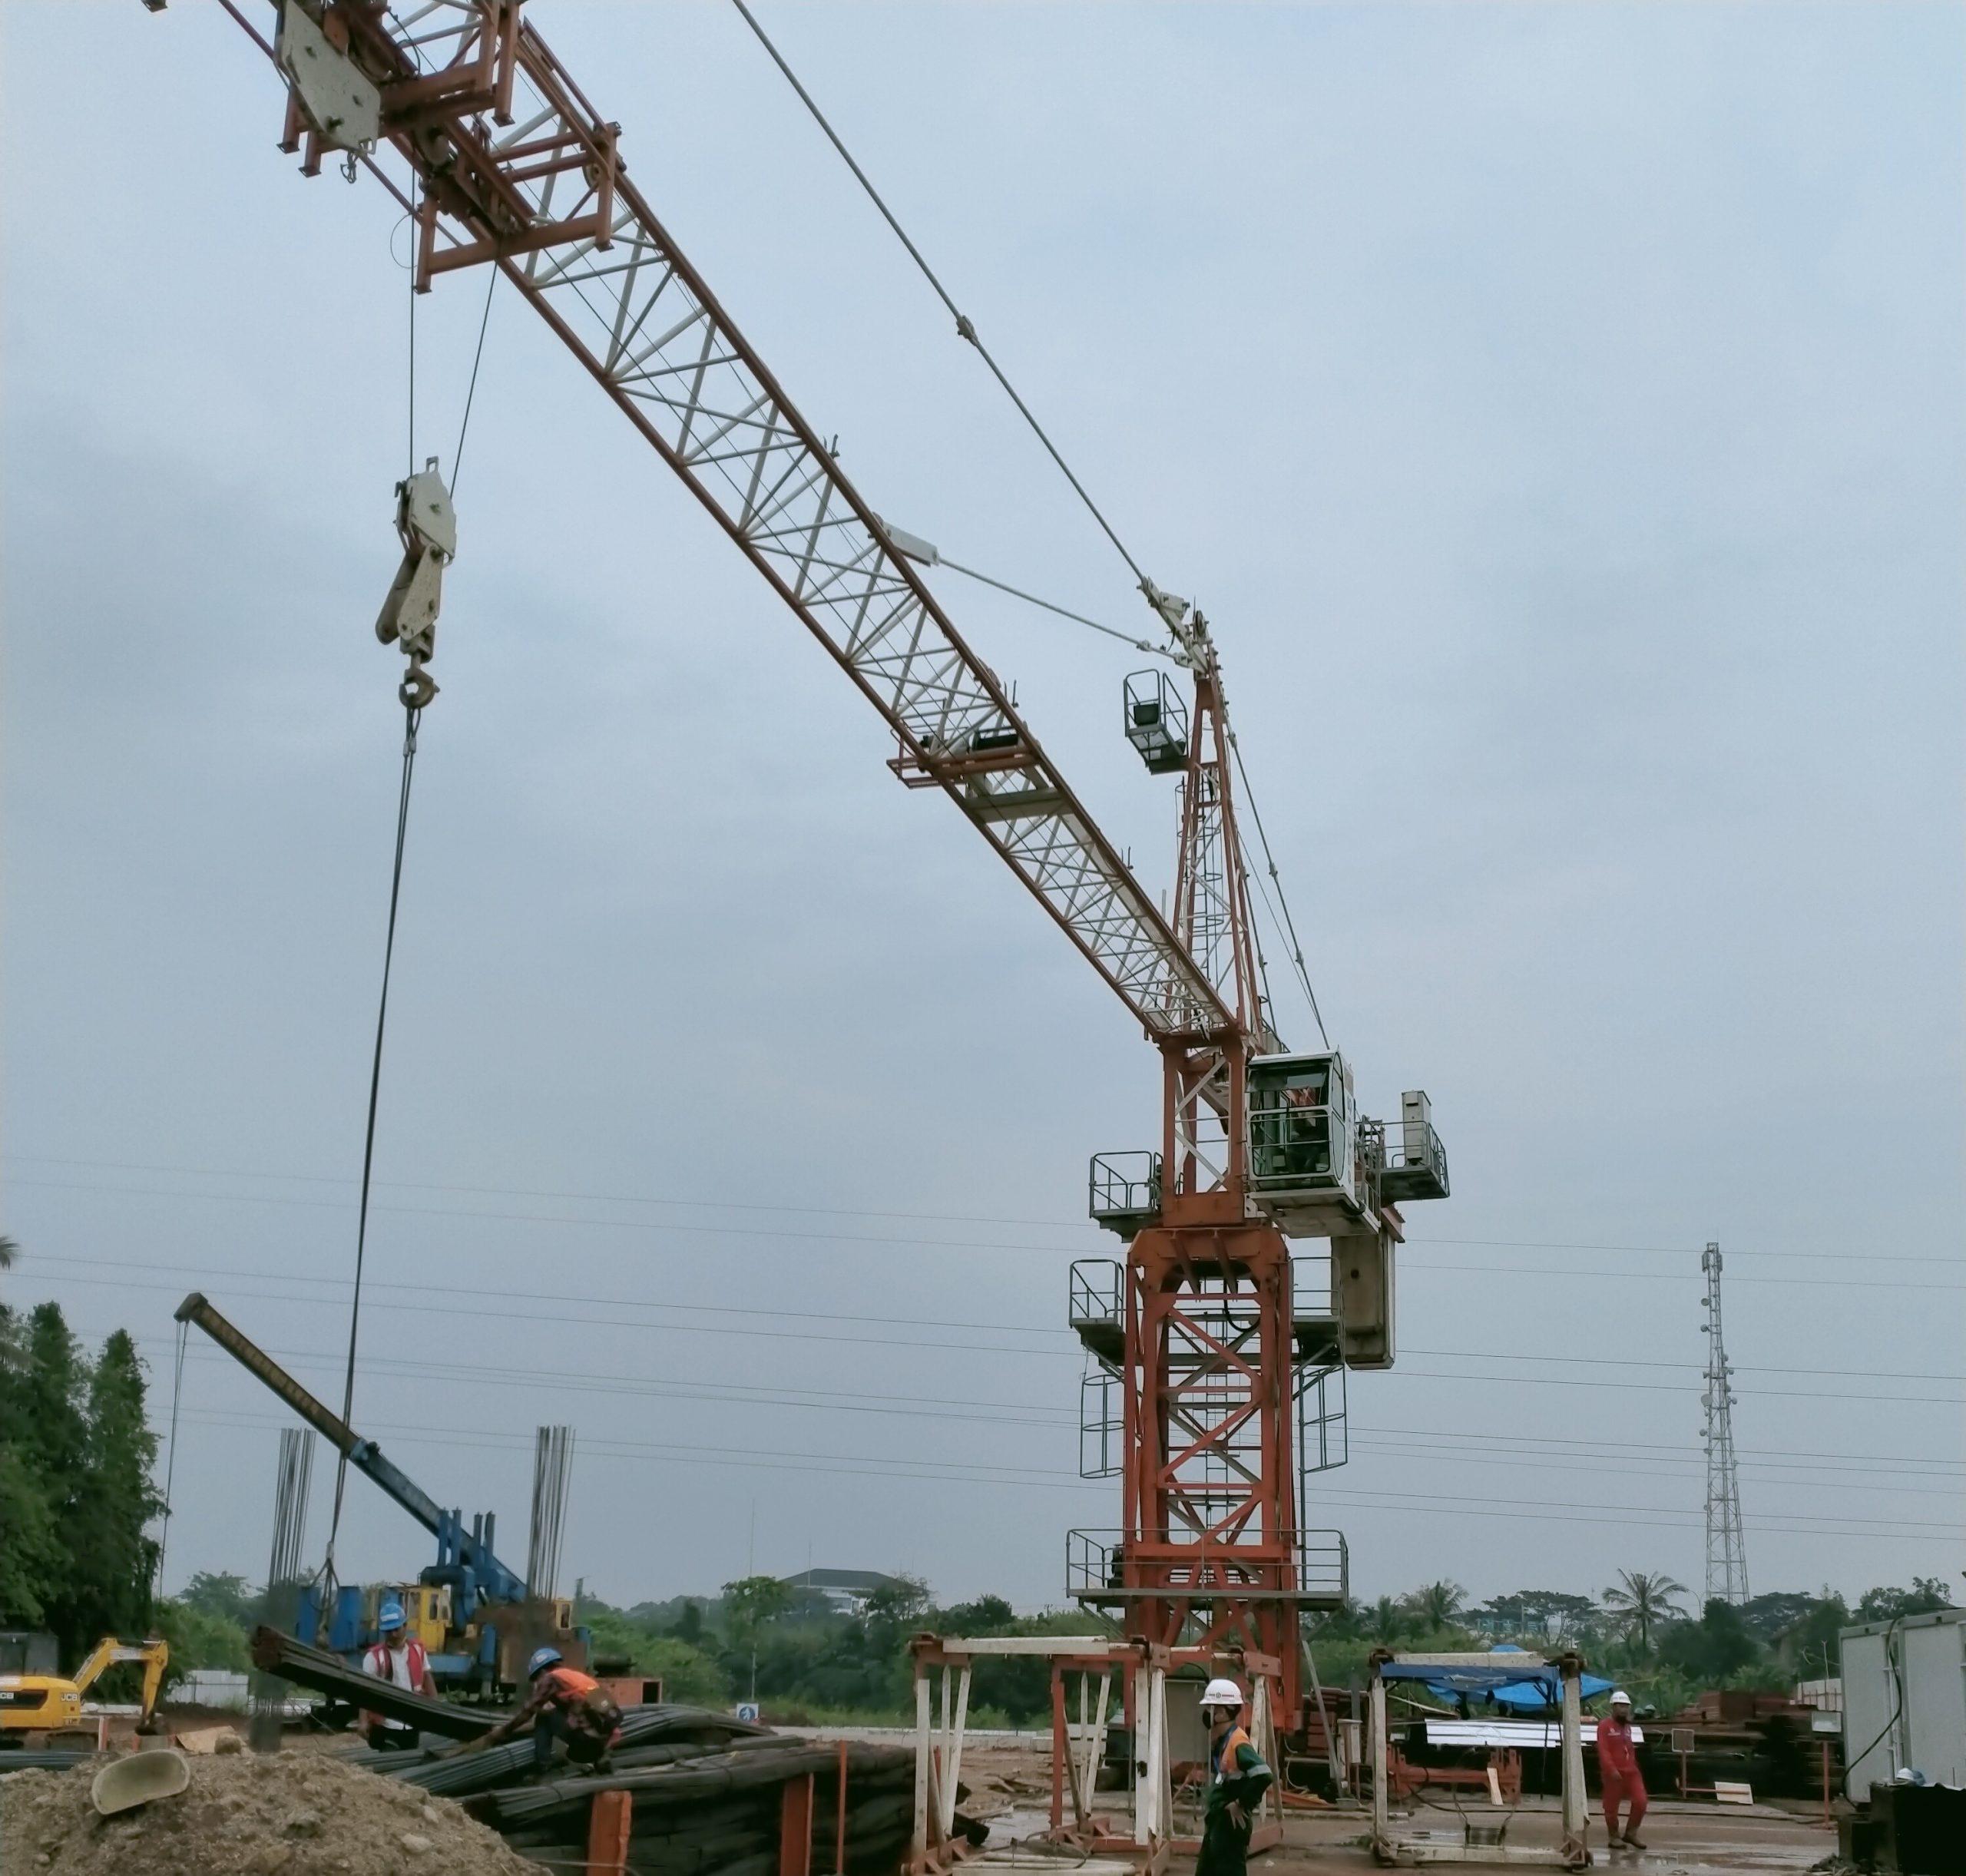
column 1205, row 1331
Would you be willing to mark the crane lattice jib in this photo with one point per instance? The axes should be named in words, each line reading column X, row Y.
column 515, row 168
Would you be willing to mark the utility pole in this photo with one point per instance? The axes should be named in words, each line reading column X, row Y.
column 1727, row 1550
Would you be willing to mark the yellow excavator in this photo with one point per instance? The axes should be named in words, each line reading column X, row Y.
column 50, row 1703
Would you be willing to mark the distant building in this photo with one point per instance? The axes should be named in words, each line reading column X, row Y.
column 845, row 1590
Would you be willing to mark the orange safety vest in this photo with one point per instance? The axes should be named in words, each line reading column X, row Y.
column 571, row 1684
column 1225, row 1760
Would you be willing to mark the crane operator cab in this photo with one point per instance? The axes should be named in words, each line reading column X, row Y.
column 1317, row 1170
column 1306, row 1171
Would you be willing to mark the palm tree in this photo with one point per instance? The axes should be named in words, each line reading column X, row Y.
column 1640, row 1600
column 1385, row 1621
column 1437, row 1605
column 9, row 1250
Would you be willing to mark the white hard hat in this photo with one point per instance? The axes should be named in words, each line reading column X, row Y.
column 1222, row 1693
column 1621, row 1697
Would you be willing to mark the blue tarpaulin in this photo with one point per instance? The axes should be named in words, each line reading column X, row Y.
column 1501, row 1684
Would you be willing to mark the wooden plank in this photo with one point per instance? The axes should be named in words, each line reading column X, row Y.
column 794, row 1828
column 610, row 1820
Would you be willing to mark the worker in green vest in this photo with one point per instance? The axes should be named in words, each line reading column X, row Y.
column 1237, row 1778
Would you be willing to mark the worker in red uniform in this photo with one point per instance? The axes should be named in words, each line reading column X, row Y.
column 564, row 1704
column 399, row 1659
column 1617, row 1769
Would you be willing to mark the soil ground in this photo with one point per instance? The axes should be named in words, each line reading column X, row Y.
column 287, row 1814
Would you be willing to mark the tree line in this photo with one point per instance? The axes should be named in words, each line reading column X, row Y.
column 1640, row 1631
column 76, row 1496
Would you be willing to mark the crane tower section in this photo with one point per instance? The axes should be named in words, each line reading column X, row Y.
column 1219, row 1359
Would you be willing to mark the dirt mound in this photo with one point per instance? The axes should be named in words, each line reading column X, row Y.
column 292, row 1814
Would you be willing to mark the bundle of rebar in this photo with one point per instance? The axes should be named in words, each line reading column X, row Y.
column 649, row 1735
column 51, row 1759
column 276, row 1653
column 719, row 1813
column 552, row 1474
column 268, row 1697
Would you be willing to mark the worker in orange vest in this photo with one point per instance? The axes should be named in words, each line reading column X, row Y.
column 1617, row 1770
column 399, row 1659
column 1237, row 1778
column 564, row 1704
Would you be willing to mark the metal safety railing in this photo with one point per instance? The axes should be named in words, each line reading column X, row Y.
column 1415, row 1161
column 1316, row 1569
column 1124, row 1190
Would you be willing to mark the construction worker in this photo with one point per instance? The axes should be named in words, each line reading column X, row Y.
column 399, row 1659
column 1617, row 1769
column 1237, row 1778
column 564, row 1704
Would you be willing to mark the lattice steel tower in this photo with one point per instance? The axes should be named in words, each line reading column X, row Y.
column 1727, row 1550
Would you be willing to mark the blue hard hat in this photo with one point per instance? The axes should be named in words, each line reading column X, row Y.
column 542, row 1659
column 390, row 1615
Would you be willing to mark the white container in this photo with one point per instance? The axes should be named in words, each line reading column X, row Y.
column 1904, row 1701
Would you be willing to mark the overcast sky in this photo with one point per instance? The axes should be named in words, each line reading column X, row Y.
column 1558, row 412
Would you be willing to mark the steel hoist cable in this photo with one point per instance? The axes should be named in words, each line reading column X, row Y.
column 170, row 1463
column 413, row 693
column 412, row 717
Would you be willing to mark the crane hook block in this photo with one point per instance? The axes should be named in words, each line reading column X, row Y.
column 342, row 104
column 427, row 526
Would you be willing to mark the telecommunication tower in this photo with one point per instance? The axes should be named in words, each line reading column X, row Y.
column 1727, row 1550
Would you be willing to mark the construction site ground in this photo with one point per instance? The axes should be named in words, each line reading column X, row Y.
column 1008, row 1777
column 1010, row 1783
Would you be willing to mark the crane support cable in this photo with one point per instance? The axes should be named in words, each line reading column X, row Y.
column 966, row 327
column 1064, row 612
column 412, row 717
column 1276, row 880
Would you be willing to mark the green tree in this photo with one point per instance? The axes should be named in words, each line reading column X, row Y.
column 1927, row 1596
column 32, row 1555
column 1815, row 1643
column 1639, row 1601
column 50, row 1412
column 1437, row 1606
column 199, row 1638
column 113, row 1561
column 10, row 1253
column 988, row 1615
column 750, row 1604
column 224, row 1594
column 1713, row 1648
column 1385, row 1621
column 1771, row 1615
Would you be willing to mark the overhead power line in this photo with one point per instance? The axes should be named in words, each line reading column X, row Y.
column 1550, row 1511
column 825, row 1211
column 177, row 1272
column 938, row 1244
column 1054, row 1421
